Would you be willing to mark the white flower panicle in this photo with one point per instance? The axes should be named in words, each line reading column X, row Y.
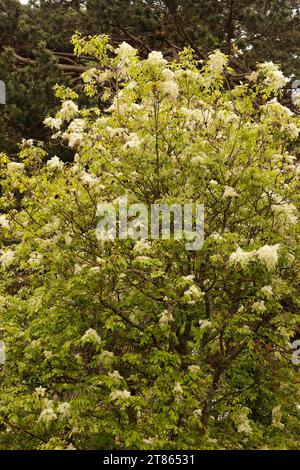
column 7, row 258
column 4, row 222
column 229, row 192
column 193, row 294
column 285, row 212
column 15, row 167
column 170, row 87
column 267, row 254
column 40, row 391
column 53, row 123
column 205, row 324
column 68, row 111
column 217, row 62
column 47, row 415
column 241, row 257
column 165, row 317
column 125, row 51
column 91, row 335
column 141, row 246
column 55, row 163
column 267, row 291
column 243, row 424
column 64, row 408
column 120, row 395
column 115, row 375
column 259, row 306
column 156, row 58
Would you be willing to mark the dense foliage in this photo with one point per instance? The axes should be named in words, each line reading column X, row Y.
column 35, row 50
column 121, row 344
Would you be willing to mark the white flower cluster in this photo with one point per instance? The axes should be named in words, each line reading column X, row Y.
column 47, row 415
column 53, row 123
column 194, row 369
column 156, row 58
column 68, row 111
column 91, row 335
column 274, row 77
column 285, row 212
column 15, row 167
column 204, row 324
column 64, row 408
column 259, row 306
column 74, row 132
column 7, row 257
column 55, row 163
column 115, row 375
column 216, row 62
column 229, row 192
column 133, row 141
column 170, row 88
column 178, row 390
column 88, row 178
column 4, row 222
column 193, row 294
column 267, row 291
column 166, row 317
column 141, row 246
column 40, row 391
column 267, row 254
column 120, row 395
column 125, row 51
column 243, row 424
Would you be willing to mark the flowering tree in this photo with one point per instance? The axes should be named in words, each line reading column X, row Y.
column 143, row 344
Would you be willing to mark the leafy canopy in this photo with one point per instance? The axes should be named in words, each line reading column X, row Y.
column 124, row 344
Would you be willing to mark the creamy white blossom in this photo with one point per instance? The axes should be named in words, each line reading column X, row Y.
column 156, row 58
column 55, row 163
column 88, row 178
column 243, row 424
column 165, row 317
column 120, row 395
column 7, row 257
column 4, row 222
column 68, row 111
column 178, row 390
column 91, row 335
column 125, row 51
column 274, row 78
column 229, row 192
column 268, row 254
column 47, row 415
column 204, row 324
column 276, row 417
column 141, row 246
column 193, row 294
column 285, row 212
column 64, row 408
column 53, row 123
column 15, row 167
column 133, row 141
column 115, row 375
column 241, row 257
column 216, row 62
column 170, row 87
column 40, row 391
column 267, row 291
column 259, row 306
